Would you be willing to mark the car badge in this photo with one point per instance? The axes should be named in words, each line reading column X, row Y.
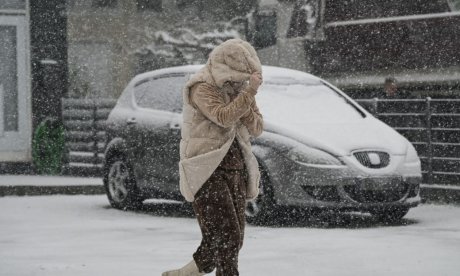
column 374, row 158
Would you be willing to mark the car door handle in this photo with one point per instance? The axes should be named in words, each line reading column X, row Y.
column 131, row 121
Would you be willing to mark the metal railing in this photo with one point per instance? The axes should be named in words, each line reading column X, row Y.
column 432, row 126
column 84, row 122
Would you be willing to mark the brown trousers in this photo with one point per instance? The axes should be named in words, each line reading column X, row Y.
column 219, row 207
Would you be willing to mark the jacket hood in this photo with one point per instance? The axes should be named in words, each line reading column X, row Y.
column 233, row 60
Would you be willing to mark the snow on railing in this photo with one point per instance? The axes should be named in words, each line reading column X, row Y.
column 392, row 19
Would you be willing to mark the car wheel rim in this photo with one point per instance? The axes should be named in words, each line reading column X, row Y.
column 117, row 179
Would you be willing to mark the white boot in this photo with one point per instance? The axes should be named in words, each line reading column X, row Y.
column 189, row 269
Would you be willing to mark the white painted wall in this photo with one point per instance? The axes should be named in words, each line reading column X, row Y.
column 15, row 139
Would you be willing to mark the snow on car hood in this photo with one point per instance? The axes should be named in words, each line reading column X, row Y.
column 342, row 139
column 318, row 116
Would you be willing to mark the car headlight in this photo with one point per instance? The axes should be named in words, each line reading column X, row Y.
column 312, row 157
column 411, row 154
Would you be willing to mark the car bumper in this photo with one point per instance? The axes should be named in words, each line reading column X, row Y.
column 341, row 188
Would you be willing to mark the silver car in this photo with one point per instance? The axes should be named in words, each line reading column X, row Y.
column 319, row 148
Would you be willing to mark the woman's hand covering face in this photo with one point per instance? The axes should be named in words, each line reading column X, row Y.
column 255, row 80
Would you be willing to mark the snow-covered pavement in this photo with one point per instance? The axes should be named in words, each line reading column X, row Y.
column 48, row 180
column 82, row 235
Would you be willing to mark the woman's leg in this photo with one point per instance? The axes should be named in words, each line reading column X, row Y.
column 217, row 214
column 236, row 182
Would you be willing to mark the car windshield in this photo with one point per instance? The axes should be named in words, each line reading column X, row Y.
column 164, row 93
column 304, row 103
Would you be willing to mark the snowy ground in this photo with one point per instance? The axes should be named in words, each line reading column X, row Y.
column 42, row 180
column 82, row 235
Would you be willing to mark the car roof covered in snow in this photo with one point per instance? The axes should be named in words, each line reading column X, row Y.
column 270, row 73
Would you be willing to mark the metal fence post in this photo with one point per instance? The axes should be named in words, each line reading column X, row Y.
column 429, row 140
column 375, row 107
column 66, row 157
column 94, row 133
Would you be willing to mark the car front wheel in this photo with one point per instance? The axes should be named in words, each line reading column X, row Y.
column 120, row 184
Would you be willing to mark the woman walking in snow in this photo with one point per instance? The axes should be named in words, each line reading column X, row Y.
column 218, row 171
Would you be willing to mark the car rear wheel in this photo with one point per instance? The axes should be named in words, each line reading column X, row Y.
column 390, row 214
column 120, row 184
column 262, row 210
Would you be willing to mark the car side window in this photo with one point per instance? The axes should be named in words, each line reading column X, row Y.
column 161, row 93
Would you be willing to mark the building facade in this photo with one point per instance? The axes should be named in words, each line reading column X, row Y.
column 92, row 48
column 112, row 40
column 356, row 45
column 33, row 74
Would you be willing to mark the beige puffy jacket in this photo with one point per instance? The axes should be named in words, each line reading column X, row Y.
column 210, row 126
